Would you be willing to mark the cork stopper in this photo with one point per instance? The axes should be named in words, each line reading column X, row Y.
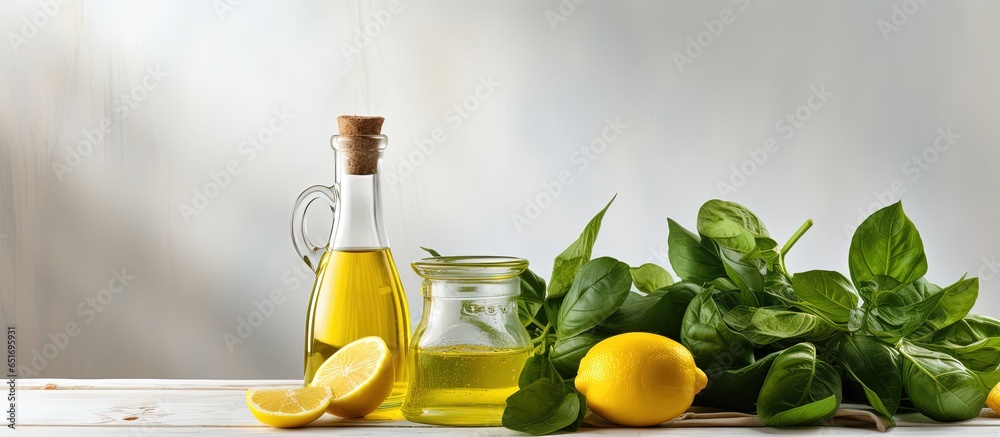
column 360, row 152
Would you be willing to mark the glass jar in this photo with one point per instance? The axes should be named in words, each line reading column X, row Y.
column 467, row 352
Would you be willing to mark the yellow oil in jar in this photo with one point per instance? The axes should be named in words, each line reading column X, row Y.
column 358, row 294
column 462, row 385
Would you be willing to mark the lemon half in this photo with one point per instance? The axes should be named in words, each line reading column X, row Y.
column 360, row 376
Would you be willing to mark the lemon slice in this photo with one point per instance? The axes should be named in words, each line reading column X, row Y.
column 288, row 407
column 360, row 375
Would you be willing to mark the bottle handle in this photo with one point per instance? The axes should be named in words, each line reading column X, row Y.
column 309, row 252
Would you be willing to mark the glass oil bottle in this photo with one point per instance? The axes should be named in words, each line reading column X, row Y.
column 357, row 292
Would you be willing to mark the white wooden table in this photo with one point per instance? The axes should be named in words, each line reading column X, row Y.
column 143, row 407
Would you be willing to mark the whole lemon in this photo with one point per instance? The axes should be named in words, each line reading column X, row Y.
column 639, row 379
column 993, row 399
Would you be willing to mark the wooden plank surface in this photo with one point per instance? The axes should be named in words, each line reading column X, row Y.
column 178, row 407
column 189, row 407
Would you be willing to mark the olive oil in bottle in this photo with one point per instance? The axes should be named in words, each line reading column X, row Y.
column 357, row 294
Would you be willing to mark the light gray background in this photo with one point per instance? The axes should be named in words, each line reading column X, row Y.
column 557, row 80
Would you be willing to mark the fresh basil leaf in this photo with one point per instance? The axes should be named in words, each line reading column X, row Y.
column 974, row 340
column 856, row 323
column 764, row 326
column 734, row 227
column 567, row 353
column 537, row 367
column 746, row 276
column 430, row 251
column 660, row 312
column 739, row 318
column 735, row 389
column 989, row 377
column 814, row 413
column 688, row 258
column 532, row 287
column 582, row 400
column 531, row 299
column 767, row 297
column 887, row 243
column 566, row 265
column 628, row 316
column 541, row 407
column 877, row 287
column 767, row 250
column 727, row 300
column 528, row 313
column 905, row 295
column 779, row 287
column 867, row 290
column 826, row 293
column 722, row 283
column 972, row 328
column 710, row 341
column 939, row 386
column 600, row 287
column 899, row 312
column 667, row 315
column 955, row 303
column 799, row 389
column 878, row 368
column 650, row 277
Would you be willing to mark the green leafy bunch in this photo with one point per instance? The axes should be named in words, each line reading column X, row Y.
column 792, row 346
column 789, row 347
